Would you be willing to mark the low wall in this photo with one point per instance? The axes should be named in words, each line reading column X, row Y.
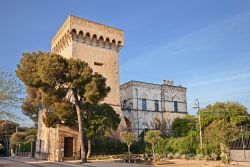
column 24, row 154
column 240, row 155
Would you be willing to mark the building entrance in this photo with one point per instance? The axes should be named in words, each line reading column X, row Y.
column 68, row 146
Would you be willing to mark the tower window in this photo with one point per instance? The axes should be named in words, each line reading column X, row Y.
column 124, row 104
column 175, row 106
column 144, row 104
column 156, row 105
column 98, row 64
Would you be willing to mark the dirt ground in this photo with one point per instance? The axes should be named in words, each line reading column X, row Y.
column 169, row 163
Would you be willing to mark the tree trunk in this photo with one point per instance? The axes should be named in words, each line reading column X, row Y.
column 153, row 150
column 89, row 148
column 31, row 149
column 79, row 116
column 129, row 151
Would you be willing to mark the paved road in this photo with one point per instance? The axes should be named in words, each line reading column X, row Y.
column 27, row 162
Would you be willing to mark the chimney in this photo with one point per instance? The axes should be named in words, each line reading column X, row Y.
column 168, row 82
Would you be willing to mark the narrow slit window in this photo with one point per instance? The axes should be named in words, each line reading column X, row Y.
column 98, row 64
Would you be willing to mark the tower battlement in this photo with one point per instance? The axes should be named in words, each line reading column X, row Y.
column 88, row 32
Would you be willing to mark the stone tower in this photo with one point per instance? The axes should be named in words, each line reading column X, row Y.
column 96, row 44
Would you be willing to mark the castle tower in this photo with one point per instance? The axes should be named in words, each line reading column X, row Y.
column 96, row 44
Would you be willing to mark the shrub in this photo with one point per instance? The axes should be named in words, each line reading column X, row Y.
column 177, row 155
column 170, row 155
column 105, row 145
column 214, row 156
column 199, row 156
column 138, row 147
column 162, row 147
column 190, row 156
column 183, row 156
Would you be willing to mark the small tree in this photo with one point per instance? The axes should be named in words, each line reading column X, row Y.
column 153, row 137
column 17, row 139
column 221, row 133
column 129, row 139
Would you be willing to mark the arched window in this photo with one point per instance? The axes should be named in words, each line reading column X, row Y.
column 156, row 105
column 144, row 104
column 175, row 106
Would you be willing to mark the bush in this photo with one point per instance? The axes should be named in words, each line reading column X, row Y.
column 105, row 145
column 199, row 156
column 183, row 145
column 162, row 147
column 177, row 155
column 138, row 147
column 183, row 156
column 214, row 156
column 26, row 147
column 170, row 155
column 190, row 156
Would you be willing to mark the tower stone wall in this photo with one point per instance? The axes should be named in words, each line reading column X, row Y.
column 98, row 45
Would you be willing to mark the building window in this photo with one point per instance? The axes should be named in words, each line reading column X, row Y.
column 156, row 105
column 144, row 104
column 98, row 64
column 175, row 106
column 131, row 105
column 124, row 104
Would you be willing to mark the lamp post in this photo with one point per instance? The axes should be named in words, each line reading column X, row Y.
column 137, row 111
column 6, row 136
column 197, row 106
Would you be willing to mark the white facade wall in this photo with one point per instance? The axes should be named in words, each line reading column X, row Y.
column 166, row 94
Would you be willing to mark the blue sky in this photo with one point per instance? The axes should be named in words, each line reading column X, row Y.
column 203, row 45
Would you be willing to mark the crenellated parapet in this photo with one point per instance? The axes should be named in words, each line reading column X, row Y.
column 87, row 32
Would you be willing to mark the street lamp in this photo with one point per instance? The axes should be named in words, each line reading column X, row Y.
column 197, row 106
column 137, row 112
column 6, row 137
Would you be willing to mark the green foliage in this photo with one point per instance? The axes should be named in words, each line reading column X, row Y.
column 59, row 84
column 31, row 134
column 138, row 147
column 220, row 125
column 7, row 127
column 128, row 138
column 218, row 135
column 25, row 147
column 108, row 146
column 182, row 126
column 153, row 137
column 183, row 145
column 231, row 112
column 100, row 119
